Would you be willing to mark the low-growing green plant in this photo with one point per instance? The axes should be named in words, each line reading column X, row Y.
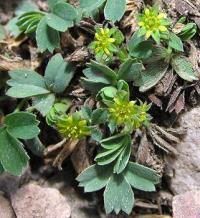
column 115, row 117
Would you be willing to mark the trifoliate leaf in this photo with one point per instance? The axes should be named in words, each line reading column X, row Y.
column 175, row 42
column 99, row 116
column 46, row 37
column 22, row 125
column 152, row 74
column 58, row 74
column 94, row 177
column 141, row 177
column 43, row 103
column 183, row 68
column 26, row 83
column 13, row 157
column 118, row 195
column 114, row 9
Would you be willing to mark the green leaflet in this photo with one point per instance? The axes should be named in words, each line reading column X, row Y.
column 13, row 157
column 118, row 195
column 129, row 69
column 114, row 9
column 183, row 68
column 115, row 148
column 58, row 23
column 94, row 178
column 175, row 42
column 141, row 177
column 28, row 21
column 43, row 103
column 52, row 3
column 26, row 83
column 62, row 17
column 46, row 37
column 22, row 125
column 95, row 76
column 138, row 47
column 99, row 116
column 109, row 73
column 58, row 74
column 152, row 74
column 89, row 7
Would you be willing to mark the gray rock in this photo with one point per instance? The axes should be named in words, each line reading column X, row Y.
column 34, row 201
column 186, row 166
column 187, row 205
column 6, row 210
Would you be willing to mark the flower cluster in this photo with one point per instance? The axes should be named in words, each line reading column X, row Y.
column 105, row 42
column 73, row 127
column 127, row 113
column 153, row 23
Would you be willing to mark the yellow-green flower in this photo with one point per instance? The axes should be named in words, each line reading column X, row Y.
column 122, row 110
column 142, row 117
column 127, row 113
column 153, row 23
column 106, row 41
column 73, row 127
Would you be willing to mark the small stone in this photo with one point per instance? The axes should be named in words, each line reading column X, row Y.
column 34, row 201
column 186, row 166
column 187, row 205
column 6, row 210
